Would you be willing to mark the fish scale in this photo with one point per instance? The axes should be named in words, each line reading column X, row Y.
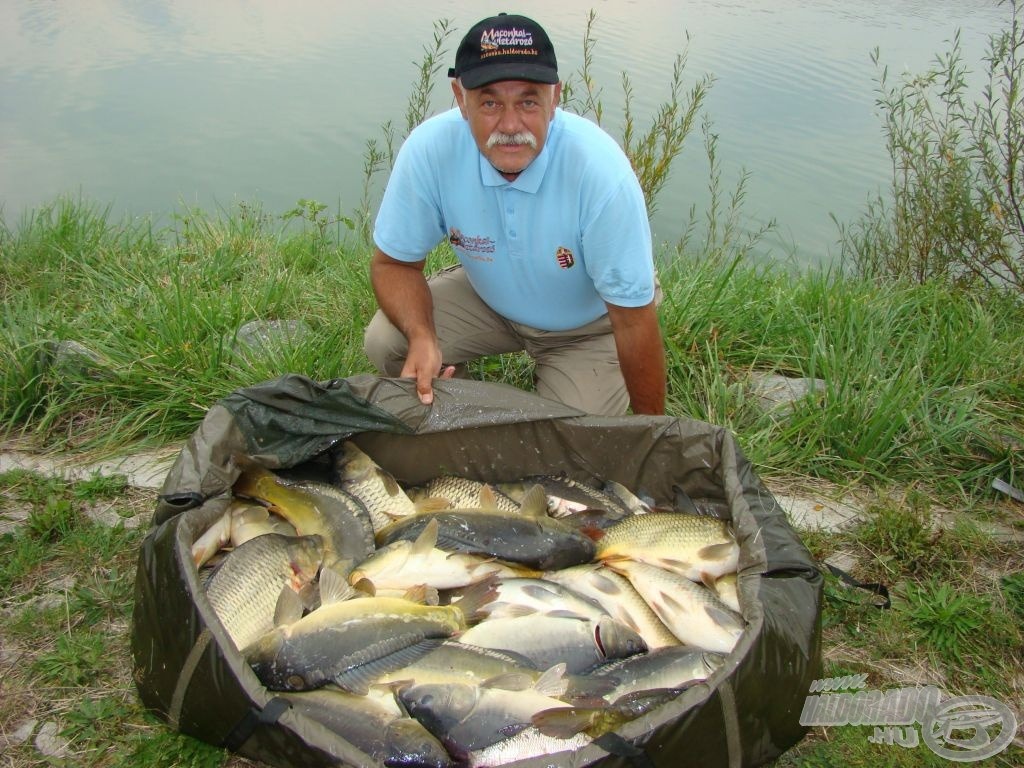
column 247, row 584
column 693, row 546
column 692, row 611
column 376, row 488
column 461, row 492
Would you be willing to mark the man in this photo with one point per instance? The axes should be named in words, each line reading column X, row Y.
column 550, row 228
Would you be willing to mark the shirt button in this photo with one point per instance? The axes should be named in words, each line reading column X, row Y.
column 512, row 233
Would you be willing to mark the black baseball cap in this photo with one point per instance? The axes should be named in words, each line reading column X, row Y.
column 505, row 47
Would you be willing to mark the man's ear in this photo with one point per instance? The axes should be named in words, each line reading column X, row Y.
column 556, row 98
column 460, row 97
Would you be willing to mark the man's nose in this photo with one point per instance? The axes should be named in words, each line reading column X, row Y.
column 510, row 121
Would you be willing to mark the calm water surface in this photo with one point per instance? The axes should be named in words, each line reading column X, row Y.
column 152, row 107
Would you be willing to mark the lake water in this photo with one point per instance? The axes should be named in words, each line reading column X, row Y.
column 152, row 107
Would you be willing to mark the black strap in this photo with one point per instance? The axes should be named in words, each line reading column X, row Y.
column 614, row 744
column 879, row 589
column 255, row 717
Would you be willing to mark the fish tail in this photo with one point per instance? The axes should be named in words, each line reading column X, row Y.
column 563, row 722
column 475, row 597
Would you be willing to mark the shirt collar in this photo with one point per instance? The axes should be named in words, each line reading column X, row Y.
column 529, row 180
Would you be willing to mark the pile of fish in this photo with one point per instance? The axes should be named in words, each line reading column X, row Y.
column 463, row 623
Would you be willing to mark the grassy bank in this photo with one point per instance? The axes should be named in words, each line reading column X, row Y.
column 921, row 383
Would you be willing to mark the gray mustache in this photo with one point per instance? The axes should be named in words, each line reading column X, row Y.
column 523, row 137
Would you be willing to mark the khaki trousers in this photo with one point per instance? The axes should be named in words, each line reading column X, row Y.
column 578, row 367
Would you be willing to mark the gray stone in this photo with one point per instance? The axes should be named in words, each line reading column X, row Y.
column 107, row 515
column 843, row 560
column 23, row 732
column 72, row 358
column 142, row 469
column 269, row 335
column 815, row 514
column 13, row 517
column 50, row 742
column 775, row 393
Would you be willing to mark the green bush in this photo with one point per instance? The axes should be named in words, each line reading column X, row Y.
column 957, row 186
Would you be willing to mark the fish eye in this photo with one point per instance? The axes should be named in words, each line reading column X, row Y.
column 295, row 682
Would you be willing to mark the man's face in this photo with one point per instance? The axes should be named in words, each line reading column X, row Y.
column 509, row 120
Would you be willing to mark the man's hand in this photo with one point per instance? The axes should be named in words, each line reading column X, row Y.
column 403, row 296
column 641, row 356
column 423, row 363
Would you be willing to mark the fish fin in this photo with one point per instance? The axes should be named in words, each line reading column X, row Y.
column 426, row 541
column 212, row 540
column 708, row 580
column 593, row 532
column 717, row 551
column 562, row 722
column 476, row 596
column 342, row 566
column 416, row 593
column 671, row 604
column 553, row 682
column 432, row 504
column 585, row 690
column 565, row 613
column 535, row 502
column 365, row 586
column 488, row 498
column 616, row 588
column 507, row 610
column 288, row 609
column 509, row 681
column 386, row 656
column 391, row 486
column 334, row 588
column 540, row 592
column 725, row 617
column 243, row 513
column 486, row 567
column 424, row 594
column 622, row 494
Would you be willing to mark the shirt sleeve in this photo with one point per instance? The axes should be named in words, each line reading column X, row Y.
column 409, row 223
column 618, row 248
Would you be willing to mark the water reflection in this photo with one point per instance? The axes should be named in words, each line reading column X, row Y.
column 154, row 105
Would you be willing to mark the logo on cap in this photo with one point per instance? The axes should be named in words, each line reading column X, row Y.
column 505, row 38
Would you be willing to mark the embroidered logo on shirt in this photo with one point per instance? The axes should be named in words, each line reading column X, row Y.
column 564, row 257
column 471, row 246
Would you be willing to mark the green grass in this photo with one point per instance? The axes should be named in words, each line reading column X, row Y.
column 922, row 382
column 66, row 591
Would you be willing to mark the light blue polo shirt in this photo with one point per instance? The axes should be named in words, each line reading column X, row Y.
column 546, row 250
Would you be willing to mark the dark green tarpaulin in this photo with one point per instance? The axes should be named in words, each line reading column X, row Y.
column 188, row 672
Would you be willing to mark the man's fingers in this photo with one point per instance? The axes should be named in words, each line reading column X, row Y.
column 424, row 389
column 447, row 372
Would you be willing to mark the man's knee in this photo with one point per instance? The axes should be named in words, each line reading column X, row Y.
column 384, row 345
